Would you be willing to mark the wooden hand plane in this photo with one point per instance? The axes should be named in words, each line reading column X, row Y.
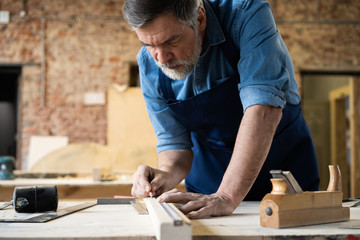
column 288, row 206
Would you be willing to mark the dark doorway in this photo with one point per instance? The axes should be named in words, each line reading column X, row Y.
column 134, row 76
column 9, row 82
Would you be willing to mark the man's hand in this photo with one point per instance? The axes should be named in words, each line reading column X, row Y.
column 148, row 179
column 197, row 205
column 173, row 167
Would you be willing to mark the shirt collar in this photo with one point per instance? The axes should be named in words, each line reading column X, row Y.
column 214, row 33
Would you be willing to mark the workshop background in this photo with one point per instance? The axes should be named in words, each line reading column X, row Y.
column 61, row 61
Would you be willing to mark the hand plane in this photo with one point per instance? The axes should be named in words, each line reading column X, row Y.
column 288, row 206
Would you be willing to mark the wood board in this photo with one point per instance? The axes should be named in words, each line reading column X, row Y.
column 123, row 222
column 129, row 126
column 75, row 188
column 164, row 222
column 40, row 146
column 131, row 140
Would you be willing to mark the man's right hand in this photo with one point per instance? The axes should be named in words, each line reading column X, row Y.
column 173, row 167
column 148, row 179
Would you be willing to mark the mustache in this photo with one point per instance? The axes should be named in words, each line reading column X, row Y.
column 172, row 63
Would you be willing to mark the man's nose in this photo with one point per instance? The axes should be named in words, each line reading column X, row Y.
column 163, row 55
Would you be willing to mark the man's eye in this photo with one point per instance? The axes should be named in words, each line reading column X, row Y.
column 174, row 43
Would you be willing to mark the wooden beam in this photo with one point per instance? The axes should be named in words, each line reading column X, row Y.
column 172, row 225
column 338, row 133
column 354, row 135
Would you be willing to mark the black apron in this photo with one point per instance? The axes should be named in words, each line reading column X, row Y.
column 213, row 118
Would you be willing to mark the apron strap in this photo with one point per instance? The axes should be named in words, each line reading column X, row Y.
column 165, row 85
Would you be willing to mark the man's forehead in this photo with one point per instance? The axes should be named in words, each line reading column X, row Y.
column 160, row 29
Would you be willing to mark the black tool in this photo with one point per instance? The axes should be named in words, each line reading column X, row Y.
column 35, row 199
column 39, row 199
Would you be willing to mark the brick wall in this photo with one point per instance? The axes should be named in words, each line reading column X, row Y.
column 88, row 46
column 320, row 34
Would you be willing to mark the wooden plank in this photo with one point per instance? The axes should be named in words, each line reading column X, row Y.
column 166, row 227
column 354, row 135
column 316, row 113
column 71, row 189
column 338, row 133
column 78, row 192
column 129, row 128
column 131, row 140
column 40, row 146
column 74, row 189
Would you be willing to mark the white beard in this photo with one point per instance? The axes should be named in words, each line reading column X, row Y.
column 186, row 65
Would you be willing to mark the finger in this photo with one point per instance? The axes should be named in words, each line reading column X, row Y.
column 177, row 196
column 193, row 205
column 145, row 176
column 141, row 186
column 139, row 191
column 164, row 196
column 151, row 188
column 207, row 206
column 201, row 213
column 169, row 196
column 158, row 184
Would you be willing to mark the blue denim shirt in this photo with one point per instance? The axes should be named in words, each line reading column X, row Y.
column 265, row 67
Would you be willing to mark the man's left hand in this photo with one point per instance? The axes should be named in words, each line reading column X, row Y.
column 197, row 205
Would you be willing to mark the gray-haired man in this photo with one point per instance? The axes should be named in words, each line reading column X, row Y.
column 220, row 91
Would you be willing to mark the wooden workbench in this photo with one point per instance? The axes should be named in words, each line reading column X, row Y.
column 123, row 222
column 70, row 189
column 73, row 188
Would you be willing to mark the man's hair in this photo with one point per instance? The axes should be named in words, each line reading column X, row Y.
column 140, row 12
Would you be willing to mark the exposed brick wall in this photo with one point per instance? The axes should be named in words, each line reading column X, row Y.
column 88, row 46
column 322, row 34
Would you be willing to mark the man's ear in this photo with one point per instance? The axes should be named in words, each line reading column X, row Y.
column 201, row 18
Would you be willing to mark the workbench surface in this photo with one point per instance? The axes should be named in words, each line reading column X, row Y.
column 74, row 189
column 123, row 222
column 71, row 189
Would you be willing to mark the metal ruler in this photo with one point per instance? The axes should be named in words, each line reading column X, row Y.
column 47, row 216
column 5, row 205
column 140, row 207
column 173, row 214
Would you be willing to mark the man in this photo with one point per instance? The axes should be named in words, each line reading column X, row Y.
column 220, row 91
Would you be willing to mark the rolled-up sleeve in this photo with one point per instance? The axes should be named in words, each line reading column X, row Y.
column 264, row 63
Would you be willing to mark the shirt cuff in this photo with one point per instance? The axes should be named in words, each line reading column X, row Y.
column 182, row 141
column 261, row 95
